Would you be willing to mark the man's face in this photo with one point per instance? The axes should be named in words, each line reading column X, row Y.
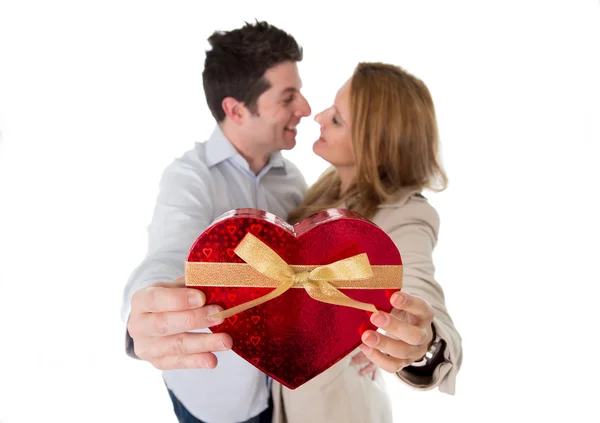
column 280, row 109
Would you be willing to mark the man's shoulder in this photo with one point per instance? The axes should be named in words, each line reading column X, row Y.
column 193, row 158
column 189, row 167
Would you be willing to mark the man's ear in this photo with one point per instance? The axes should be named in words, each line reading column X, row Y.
column 234, row 110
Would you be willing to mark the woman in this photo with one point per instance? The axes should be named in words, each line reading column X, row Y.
column 381, row 139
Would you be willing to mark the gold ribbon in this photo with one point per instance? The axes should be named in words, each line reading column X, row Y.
column 318, row 281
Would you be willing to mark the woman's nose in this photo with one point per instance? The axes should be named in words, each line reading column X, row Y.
column 318, row 117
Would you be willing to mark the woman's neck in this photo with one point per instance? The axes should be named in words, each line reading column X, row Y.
column 347, row 176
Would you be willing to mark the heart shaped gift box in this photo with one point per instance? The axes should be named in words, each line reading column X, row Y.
column 296, row 298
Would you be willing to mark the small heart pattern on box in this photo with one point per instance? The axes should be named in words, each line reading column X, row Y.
column 293, row 338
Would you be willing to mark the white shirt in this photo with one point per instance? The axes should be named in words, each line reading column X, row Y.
column 195, row 189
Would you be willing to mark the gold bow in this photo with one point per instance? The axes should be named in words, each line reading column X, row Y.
column 316, row 281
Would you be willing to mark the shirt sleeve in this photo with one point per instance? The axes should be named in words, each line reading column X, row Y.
column 182, row 212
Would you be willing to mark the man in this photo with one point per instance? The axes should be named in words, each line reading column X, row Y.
column 252, row 88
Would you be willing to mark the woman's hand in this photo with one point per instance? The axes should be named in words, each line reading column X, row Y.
column 408, row 333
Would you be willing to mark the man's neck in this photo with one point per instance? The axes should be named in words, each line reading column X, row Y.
column 257, row 159
column 256, row 164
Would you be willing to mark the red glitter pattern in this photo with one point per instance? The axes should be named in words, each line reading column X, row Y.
column 294, row 338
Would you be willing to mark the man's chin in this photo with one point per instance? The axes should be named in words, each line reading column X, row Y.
column 288, row 145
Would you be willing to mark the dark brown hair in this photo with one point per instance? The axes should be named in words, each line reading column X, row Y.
column 237, row 61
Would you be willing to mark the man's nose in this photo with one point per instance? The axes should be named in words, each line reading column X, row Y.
column 304, row 109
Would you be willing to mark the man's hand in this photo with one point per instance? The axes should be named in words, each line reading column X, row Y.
column 370, row 369
column 408, row 333
column 161, row 316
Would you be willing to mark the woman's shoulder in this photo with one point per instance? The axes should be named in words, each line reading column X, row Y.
column 408, row 206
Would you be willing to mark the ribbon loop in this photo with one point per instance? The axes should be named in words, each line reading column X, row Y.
column 266, row 261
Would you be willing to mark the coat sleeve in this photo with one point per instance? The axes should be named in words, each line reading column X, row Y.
column 414, row 229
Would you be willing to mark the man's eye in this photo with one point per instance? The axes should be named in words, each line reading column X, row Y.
column 288, row 100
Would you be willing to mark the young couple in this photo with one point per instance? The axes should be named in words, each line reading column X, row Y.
column 380, row 136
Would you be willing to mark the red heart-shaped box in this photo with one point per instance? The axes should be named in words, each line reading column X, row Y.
column 294, row 338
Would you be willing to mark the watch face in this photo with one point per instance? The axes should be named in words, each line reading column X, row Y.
column 420, row 363
column 435, row 347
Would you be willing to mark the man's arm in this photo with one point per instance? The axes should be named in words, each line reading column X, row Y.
column 182, row 212
column 158, row 308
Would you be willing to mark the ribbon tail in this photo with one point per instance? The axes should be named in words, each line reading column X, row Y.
column 253, row 303
column 327, row 293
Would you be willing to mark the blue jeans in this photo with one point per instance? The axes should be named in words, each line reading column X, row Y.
column 184, row 416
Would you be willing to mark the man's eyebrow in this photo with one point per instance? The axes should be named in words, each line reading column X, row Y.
column 290, row 90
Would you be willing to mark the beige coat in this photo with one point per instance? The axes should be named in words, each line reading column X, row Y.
column 340, row 394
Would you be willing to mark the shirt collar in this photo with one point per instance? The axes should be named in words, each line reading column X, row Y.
column 219, row 149
column 276, row 160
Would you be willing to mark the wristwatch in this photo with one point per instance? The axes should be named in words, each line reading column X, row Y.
column 434, row 349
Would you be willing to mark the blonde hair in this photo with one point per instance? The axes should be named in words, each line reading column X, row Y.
column 394, row 139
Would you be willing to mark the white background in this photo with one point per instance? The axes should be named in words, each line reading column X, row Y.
column 96, row 98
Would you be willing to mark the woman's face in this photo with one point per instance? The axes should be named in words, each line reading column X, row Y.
column 335, row 143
